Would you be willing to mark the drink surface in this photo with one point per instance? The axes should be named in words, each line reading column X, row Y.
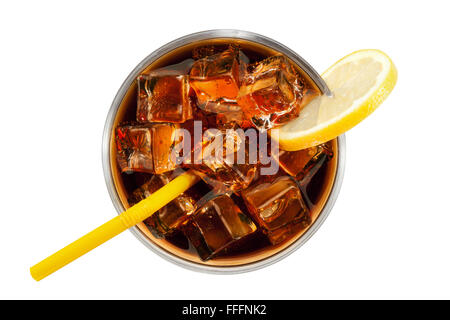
column 259, row 215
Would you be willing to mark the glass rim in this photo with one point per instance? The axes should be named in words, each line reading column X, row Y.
column 107, row 170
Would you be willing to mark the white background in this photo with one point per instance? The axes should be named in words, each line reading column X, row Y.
column 61, row 64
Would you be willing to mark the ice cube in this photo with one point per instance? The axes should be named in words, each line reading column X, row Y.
column 226, row 162
column 216, row 225
column 299, row 163
column 147, row 147
column 278, row 207
column 164, row 94
column 172, row 215
column 271, row 93
column 218, row 76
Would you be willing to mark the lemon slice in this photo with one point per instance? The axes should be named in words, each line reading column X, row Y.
column 360, row 82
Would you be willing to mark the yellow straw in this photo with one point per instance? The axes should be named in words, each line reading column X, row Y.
column 113, row 227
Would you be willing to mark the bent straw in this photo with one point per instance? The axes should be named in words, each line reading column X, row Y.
column 115, row 226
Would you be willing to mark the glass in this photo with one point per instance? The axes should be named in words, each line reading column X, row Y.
column 118, row 184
